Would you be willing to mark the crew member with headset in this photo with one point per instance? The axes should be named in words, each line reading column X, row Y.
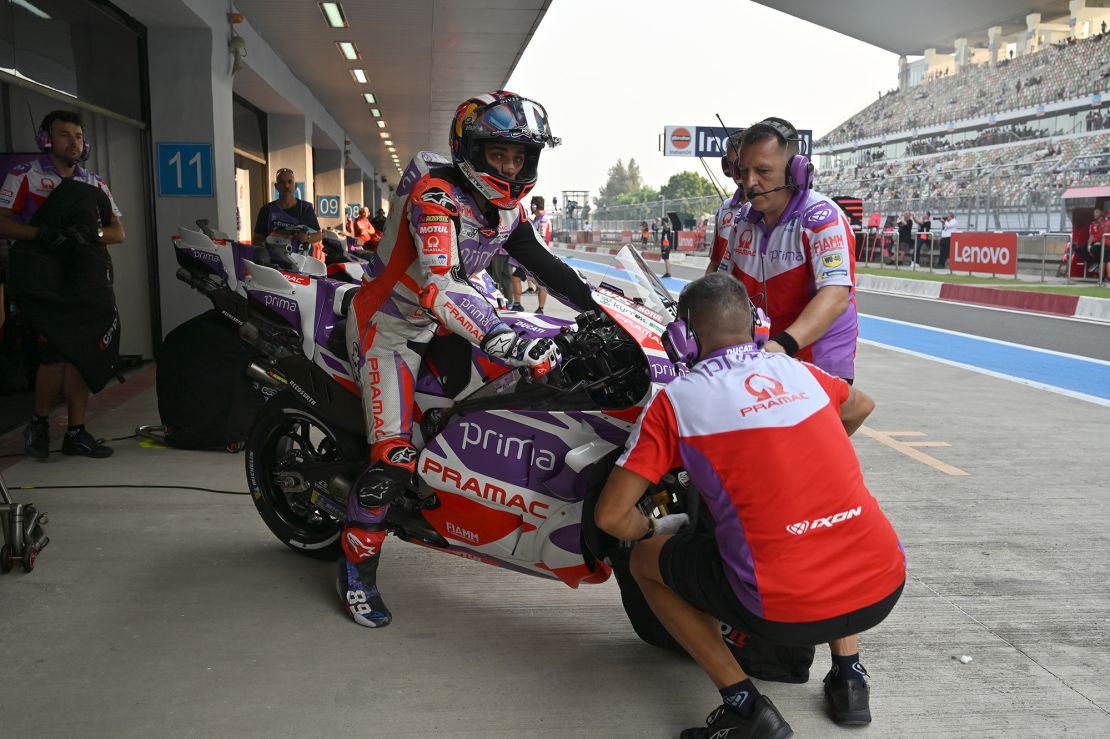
column 275, row 218
column 794, row 252
column 733, row 210
column 61, row 139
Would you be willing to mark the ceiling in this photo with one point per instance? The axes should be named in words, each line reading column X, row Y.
column 422, row 57
column 911, row 26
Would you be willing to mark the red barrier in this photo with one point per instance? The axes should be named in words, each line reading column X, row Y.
column 973, row 251
column 687, row 241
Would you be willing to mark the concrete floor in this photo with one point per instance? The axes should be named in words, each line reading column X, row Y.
column 171, row 613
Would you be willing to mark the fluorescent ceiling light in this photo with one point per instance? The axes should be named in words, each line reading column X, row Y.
column 32, row 9
column 375, row 112
column 369, row 97
column 333, row 14
column 384, row 134
column 392, row 148
column 360, row 76
column 381, row 124
column 348, row 50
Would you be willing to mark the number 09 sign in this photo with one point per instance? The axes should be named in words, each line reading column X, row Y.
column 185, row 170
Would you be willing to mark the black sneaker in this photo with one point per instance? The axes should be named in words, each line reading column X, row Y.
column 36, row 439
column 539, row 311
column 849, row 700
column 83, row 444
column 765, row 723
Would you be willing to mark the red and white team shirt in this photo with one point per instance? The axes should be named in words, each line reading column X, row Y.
column 811, row 247
column 730, row 213
column 28, row 186
column 800, row 536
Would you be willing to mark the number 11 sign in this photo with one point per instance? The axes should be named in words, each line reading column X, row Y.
column 185, row 170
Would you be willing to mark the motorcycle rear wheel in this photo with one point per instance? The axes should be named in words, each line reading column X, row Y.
column 285, row 431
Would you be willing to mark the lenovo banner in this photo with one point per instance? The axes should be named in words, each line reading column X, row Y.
column 995, row 253
column 709, row 141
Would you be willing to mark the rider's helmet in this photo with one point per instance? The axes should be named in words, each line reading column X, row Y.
column 499, row 116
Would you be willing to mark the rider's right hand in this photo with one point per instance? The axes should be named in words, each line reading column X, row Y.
column 541, row 355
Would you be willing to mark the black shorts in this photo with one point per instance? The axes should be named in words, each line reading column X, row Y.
column 665, row 252
column 691, row 566
column 521, row 273
column 48, row 353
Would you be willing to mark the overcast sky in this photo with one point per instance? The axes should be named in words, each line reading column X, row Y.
column 613, row 73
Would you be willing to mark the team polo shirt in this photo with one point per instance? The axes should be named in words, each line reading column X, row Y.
column 811, row 247
column 731, row 212
column 28, row 186
column 801, row 538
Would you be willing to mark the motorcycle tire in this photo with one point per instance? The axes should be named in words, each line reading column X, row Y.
column 286, row 429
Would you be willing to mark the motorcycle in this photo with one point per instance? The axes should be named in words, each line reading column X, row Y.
column 509, row 468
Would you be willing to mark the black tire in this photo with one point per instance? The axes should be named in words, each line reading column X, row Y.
column 640, row 615
column 29, row 557
column 285, row 426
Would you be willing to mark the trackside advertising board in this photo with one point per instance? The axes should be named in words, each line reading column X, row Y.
column 709, row 141
column 995, row 253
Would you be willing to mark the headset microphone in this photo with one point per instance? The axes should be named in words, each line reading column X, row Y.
column 756, row 193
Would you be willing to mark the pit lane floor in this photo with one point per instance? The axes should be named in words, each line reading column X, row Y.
column 174, row 613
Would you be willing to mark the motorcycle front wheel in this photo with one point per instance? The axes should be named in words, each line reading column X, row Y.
column 287, row 436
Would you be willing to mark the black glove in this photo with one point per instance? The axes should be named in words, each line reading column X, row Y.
column 52, row 238
column 85, row 234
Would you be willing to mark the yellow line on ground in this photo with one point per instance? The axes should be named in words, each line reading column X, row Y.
column 885, row 438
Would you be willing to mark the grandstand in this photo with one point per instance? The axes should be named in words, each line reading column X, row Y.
column 996, row 137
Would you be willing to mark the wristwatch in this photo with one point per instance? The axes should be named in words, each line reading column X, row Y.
column 650, row 529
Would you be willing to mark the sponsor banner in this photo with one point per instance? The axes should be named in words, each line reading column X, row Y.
column 678, row 141
column 709, row 141
column 995, row 253
column 687, row 241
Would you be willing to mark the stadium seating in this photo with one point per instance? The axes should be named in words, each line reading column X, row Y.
column 1053, row 73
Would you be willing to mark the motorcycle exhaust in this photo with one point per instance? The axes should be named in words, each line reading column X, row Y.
column 267, row 376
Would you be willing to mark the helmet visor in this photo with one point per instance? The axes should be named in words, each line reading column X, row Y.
column 516, row 119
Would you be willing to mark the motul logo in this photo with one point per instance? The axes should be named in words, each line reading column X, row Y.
column 801, row 527
column 984, row 254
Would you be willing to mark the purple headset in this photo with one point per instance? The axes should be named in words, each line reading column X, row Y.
column 46, row 145
column 799, row 170
column 682, row 345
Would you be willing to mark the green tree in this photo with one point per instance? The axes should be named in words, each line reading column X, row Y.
column 622, row 180
column 687, row 185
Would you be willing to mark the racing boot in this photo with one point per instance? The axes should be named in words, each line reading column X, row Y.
column 357, row 582
column 384, row 481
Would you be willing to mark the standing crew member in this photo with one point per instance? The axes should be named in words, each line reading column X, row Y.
column 275, row 217
column 733, row 210
column 795, row 252
column 61, row 138
column 801, row 553
column 451, row 218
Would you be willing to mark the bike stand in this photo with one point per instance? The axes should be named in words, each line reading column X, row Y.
column 24, row 537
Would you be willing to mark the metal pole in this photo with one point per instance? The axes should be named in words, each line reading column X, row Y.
column 1044, row 253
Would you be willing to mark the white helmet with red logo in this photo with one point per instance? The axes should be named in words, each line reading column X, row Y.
column 505, row 117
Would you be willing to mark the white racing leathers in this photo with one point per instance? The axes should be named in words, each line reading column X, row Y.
column 435, row 238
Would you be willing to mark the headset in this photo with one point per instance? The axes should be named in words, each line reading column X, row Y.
column 682, row 344
column 46, row 145
column 799, row 170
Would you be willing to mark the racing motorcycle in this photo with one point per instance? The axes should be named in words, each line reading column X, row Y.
column 509, row 468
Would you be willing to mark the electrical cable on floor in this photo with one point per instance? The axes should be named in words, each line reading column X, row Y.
column 132, row 486
column 140, row 487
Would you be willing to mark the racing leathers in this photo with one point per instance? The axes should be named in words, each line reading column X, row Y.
column 784, row 266
column 436, row 237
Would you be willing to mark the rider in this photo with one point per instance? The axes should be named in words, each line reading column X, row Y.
column 733, row 210
column 452, row 218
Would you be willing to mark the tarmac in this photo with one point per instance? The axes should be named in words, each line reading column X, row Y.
column 175, row 613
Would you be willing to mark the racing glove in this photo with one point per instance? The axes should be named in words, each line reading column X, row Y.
column 540, row 355
column 52, row 238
